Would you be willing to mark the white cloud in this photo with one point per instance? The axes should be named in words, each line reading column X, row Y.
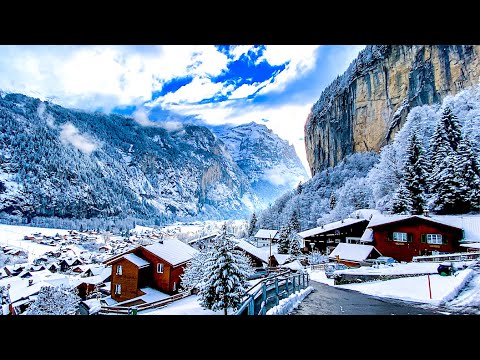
column 244, row 91
column 48, row 118
column 141, row 117
column 197, row 90
column 238, row 50
column 301, row 58
column 69, row 134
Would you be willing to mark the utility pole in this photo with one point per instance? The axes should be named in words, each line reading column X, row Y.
column 270, row 256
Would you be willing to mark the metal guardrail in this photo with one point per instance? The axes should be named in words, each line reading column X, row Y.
column 443, row 257
column 272, row 289
column 126, row 310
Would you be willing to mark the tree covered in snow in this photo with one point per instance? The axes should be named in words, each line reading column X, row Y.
column 283, row 240
column 4, row 297
column 194, row 272
column 410, row 196
column 294, row 244
column 252, row 228
column 468, row 172
column 225, row 275
column 55, row 300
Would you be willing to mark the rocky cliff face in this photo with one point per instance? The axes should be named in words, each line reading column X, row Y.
column 269, row 162
column 363, row 108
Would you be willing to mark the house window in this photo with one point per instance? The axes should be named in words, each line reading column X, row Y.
column 160, row 268
column 118, row 289
column 174, row 286
column 119, row 269
column 400, row 236
column 434, row 239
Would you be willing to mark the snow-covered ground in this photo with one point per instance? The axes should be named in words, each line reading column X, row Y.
column 13, row 235
column 415, row 288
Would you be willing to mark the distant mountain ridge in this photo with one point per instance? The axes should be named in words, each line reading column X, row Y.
column 71, row 164
column 270, row 163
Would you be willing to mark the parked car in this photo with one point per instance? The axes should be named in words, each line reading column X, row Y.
column 330, row 268
column 446, row 268
column 386, row 260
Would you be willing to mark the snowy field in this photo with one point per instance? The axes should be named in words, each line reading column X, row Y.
column 13, row 235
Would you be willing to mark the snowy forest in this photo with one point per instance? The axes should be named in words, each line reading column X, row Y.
column 59, row 165
column 432, row 165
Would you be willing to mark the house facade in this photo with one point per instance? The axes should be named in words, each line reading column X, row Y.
column 158, row 266
column 403, row 236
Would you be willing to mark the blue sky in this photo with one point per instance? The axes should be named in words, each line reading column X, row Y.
column 275, row 85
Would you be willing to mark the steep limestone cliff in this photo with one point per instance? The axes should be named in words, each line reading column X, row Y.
column 363, row 108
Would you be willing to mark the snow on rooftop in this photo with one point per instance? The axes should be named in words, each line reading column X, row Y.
column 367, row 235
column 329, row 227
column 138, row 261
column 260, row 252
column 294, row 265
column 266, row 234
column 470, row 224
column 173, row 251
column 282, row 258
column 354, row 252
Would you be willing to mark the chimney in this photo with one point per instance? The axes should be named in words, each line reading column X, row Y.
column 30, row 282
column 425, row 212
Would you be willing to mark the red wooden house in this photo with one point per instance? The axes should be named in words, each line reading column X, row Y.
column 158, row 266
column 405, row 236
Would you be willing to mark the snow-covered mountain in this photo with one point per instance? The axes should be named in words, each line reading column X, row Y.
column 270, row 163
column 57, row 162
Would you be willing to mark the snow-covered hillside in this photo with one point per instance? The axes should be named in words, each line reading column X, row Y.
column 270, row 163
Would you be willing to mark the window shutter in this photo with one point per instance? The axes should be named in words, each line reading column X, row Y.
column 390, row 236
column 423, row 239
column 409, row 237
column 444, row 240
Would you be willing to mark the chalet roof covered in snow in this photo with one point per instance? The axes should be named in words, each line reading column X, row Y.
column 367, row 235
column 138, row 261
column 173, row 251
column 470, row 224
column 354, row 252
column 260, row 252
column 294, row 265
column 265, row 234
column 282, row 258
column 329, row 227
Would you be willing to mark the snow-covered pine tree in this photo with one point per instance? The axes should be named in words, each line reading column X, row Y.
column 294, row 244
column 400, row 203
column 283, row 239
column 414, row 174
column 253, row 225
column 468, row 172
column 294, row 223
column 55, row 300
column 194, row 271
column 226, row 271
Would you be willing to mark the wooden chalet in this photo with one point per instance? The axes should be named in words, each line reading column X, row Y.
column 326, row 237
column 157, row 266
column 259, row 256
column 263, row 237
column 405, row 236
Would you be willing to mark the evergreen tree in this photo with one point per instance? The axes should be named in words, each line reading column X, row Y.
column 283, row 240
column 253, row 225
column 55, row 300
column 194, row 272
column 299, row 187
column 400, row 203
column 294, row 222
column 332, row 201
column 294, row 244
column 226, row 271
column 468, row 174
column 414, row 175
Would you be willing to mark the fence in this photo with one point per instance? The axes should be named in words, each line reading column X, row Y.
column 268, row 292
column 462, row 256
column 125, row 310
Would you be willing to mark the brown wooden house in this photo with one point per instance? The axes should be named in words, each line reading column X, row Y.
column 326, row 237
column 405, row 236
column 158, row 266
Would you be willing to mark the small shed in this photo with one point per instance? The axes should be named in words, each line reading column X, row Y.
column 354, row 255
